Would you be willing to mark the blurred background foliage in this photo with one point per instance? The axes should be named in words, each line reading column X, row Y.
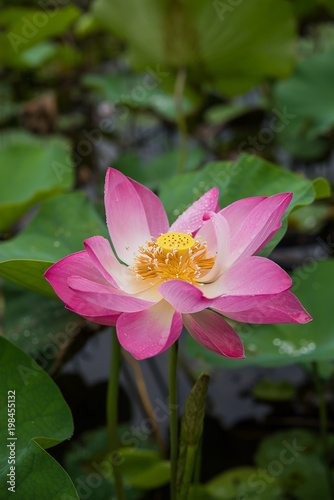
column 181, row 96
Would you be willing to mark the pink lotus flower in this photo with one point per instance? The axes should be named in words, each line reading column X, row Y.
column 160, row 277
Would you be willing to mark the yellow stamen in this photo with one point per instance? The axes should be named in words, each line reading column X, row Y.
column 173, row 256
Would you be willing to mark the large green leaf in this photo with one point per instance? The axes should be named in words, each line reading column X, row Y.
column 241, row 482
column 308, row 96
column 249, row 176
column 142, row 467
column 234, row 46
column 42, row 420
column 141, row 91
column 58, row 229
column 153, row 172
column 296, row 455
column 28, row 172
column 39, row 325
column 279, row 345
column 26, row 27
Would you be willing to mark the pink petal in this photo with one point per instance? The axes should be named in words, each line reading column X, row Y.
column 109, row 320
column 119, row 275
column 77, row 263
column 149, row 332
column 183, row 296
column 261, row 222
column 126, row 217
column 237, row 212
column 283, row 308
column 235, row 303
column 155, row 212
column 106, row 296
column 99, row 250
column 216, row 233
column 214, row 333
column 251, row 276
column 192, row 219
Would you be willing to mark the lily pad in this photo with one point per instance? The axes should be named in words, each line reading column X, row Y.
column 38, row 325
column 308, row 96
column 141, row 92
column 142, row 467
column 234, row 45
column 294, row 457
column 26, row 27
column 249, row 176
column 27, row 172
column 242, row 482
column 57, row 230
column 270, row 390
column 280, row 345
column 164, row 166
column 42, row 419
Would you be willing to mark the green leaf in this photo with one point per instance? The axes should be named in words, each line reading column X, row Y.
column 322, row 188
column 142, row 468
column 28, row 172
column 42, row 420
column 58, row 229
column 249, row 176
column 280, row 345
column 28, row 273
column 270, row 390
column 27, row 27
column 40, row 326
column 235, row 47
column 310, row 219
column 296, row 454
column 308, row 97
column 222, row 113
column 160, row 168
column 141, row 92
column 243, row 482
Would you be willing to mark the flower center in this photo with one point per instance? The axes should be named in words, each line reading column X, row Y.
column 175, row 241
column 173, row 256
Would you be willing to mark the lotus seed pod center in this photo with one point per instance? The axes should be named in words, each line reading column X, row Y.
column 179, row 242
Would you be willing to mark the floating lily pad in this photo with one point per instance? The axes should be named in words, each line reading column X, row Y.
column 28, row 173
column 42, row 420
column 249, row 176
column 57, row 230
column 279, row 345
column 308, row 96
column 233, row 46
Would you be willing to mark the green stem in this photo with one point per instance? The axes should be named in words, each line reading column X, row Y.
column 173, row 417
column 112, row 415
column 180, row 119
column 188, row 471
column 323, row 425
